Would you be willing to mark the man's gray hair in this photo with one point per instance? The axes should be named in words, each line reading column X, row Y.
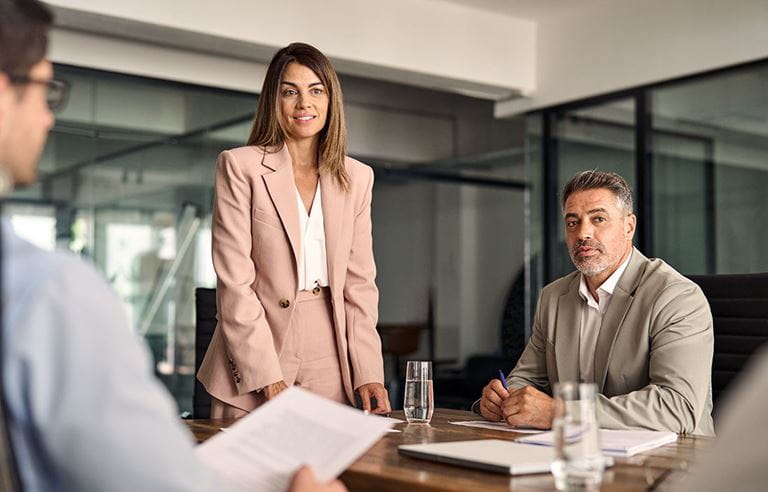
column 593, row 180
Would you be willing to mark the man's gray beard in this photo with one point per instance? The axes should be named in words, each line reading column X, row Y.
column 590, row 268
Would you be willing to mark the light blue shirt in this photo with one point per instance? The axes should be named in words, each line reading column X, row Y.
column 85, row 410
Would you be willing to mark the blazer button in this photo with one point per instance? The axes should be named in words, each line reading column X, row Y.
column 316, row 290
column 284, row 303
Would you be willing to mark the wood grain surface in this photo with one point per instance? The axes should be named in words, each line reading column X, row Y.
column 381, row 468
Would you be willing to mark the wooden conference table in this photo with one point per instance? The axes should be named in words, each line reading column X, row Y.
column 381, row 468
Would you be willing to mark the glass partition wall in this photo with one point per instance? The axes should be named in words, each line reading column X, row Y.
column 710, row 151
column 695, row 152
column 126, row 182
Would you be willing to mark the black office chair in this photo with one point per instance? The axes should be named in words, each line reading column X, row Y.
column 205, row 324
column 740, row 310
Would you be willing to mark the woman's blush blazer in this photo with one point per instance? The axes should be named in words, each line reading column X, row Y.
column 256, row 246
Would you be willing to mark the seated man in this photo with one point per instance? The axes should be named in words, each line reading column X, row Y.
column 82, row 408
column 634, row 326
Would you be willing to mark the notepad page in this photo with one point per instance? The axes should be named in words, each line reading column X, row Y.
column 629, row 442
column 615, row 442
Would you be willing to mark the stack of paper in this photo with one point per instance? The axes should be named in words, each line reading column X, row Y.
column 615, row 442
column 262, row 450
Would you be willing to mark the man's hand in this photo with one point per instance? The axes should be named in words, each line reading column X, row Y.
column 304, row 481
column 374, row 390
column 494, row 395
column 272, row 390
column 529, row 407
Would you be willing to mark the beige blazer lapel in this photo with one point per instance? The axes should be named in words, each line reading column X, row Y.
column 567, row 329
column 333, row 208
column 621, row 300
column 282, row 190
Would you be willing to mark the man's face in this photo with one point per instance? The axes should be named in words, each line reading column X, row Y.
column 597, row 231
column 24, row 123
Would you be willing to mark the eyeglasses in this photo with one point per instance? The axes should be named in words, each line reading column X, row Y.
column 56, row 93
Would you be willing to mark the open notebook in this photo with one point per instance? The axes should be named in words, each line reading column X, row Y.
column 615, row 442
column 492, row 455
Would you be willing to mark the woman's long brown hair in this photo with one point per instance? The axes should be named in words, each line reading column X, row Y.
column 267, row 130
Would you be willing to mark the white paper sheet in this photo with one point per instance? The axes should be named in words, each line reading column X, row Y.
column 262, row 450
column 499, row 426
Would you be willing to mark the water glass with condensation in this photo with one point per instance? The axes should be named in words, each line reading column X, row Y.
column 579, row 462
column 419, row 402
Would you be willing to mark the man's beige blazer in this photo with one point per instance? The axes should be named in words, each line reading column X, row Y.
column 256, row 236
column 653, row 359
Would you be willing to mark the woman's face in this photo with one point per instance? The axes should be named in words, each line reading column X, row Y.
column 303, row 102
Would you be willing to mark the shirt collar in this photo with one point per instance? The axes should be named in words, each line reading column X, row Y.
column 609, row 285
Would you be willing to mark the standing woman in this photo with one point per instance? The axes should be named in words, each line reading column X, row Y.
column 292, row 248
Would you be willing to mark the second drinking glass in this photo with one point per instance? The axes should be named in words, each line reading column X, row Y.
column 578, row 458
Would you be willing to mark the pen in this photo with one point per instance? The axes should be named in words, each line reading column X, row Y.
column 503, row 380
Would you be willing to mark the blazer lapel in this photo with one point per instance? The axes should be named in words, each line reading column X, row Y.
column 333, row 198
column 282, row 190
column 567, row 329
column 621, row 300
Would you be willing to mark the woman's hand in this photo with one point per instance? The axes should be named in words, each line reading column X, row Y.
column 374, row 390
column 272, row 390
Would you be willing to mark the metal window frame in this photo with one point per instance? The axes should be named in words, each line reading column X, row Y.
column 643, row 122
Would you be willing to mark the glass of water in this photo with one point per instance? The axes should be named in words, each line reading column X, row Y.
column 419, row 401
column 579, row 462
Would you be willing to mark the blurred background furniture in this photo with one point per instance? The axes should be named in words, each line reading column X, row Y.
column 399, row 340
column 458, row 388
column 205, row 324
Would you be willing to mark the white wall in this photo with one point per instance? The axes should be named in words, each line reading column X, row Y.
column 104, row 52
column 396, row 134
column 609, row 45
column 422, row 42
column 562, row 53
column 403, row 215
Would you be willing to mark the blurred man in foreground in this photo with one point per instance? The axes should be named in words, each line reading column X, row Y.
column 84, row 411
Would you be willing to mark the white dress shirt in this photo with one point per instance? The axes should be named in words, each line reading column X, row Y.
column 592, row 317
column 313, row 268
column 84, row 407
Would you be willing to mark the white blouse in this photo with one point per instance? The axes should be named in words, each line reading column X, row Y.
column 313, row 268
